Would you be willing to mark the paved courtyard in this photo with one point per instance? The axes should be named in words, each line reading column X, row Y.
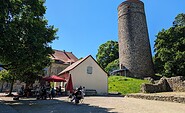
column 93, row 104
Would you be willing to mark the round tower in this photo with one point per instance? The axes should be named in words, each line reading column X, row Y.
column 134, row 47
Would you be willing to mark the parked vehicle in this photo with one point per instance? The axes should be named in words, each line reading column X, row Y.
column 76, row 96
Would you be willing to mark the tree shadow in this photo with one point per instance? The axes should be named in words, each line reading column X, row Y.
column 54, row 106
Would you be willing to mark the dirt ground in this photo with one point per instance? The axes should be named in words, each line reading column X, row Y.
column 94, row 104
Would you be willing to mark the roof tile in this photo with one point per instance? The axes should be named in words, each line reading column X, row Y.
column 67, row 57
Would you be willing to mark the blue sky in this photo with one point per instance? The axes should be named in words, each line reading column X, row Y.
column 86, row 24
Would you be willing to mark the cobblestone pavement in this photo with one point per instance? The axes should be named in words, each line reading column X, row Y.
column 92, row 104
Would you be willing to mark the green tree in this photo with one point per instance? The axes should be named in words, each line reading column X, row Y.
column 107, row 53
column 114, row 65
column 25, row 37
column 169, row 59
column 179, row 20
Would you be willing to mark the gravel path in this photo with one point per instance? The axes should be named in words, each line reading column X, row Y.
column 132, row 105
column 94, row 104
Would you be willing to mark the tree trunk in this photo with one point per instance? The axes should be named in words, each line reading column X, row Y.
column 11, row 87
column 2, row 86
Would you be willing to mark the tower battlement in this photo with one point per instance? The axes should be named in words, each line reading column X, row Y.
column 130, row 7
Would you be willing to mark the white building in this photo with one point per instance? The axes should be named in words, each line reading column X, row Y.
column 87, row 73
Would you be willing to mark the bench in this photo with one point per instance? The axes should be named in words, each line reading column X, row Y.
column 90, row 92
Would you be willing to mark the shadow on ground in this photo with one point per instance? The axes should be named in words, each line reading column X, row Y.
column 54, row 106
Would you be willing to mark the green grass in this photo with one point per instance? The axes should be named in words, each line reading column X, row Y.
column 125, row 85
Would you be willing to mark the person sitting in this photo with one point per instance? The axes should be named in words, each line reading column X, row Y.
column 52, row 93
column 72, row 95
column 44, row 93
column 77, row 94
column 21, row 91
column 38, row 92
column 80, row 88
column 57, row 91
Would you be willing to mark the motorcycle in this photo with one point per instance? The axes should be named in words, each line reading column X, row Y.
column 76, row 96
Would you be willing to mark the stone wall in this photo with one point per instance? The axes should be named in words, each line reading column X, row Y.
column 176, row 84
column 178, row 99
column 55, row 69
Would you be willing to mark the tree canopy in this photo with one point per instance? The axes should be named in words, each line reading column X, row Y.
column 114, row 65
column 5, row 76
column 25, row 36
column 179, row 20
column 107, row 53
column 169, row 59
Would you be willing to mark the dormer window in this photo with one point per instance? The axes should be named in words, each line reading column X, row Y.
column 59, row 62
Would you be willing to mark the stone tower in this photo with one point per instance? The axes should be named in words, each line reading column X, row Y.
column 134, row 46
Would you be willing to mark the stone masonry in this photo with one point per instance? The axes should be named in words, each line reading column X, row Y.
column 175, row 84
column 159, row 97
column 134, row 46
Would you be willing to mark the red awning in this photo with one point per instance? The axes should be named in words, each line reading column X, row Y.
column 54, row 78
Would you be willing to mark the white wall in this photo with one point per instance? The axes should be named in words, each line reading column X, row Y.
column 98, row 80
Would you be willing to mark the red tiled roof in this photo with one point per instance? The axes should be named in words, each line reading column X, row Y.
column 71, row 56
column 66, row 57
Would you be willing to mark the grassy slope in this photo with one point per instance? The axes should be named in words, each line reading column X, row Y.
column 125, row 85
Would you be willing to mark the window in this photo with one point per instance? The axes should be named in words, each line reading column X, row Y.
column 89, row 70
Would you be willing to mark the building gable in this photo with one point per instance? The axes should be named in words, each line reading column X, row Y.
column 74, row 65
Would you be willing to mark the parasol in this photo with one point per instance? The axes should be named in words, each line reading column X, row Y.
column 54, row 78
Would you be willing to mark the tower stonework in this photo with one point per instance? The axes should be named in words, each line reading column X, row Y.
column 134, row 45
